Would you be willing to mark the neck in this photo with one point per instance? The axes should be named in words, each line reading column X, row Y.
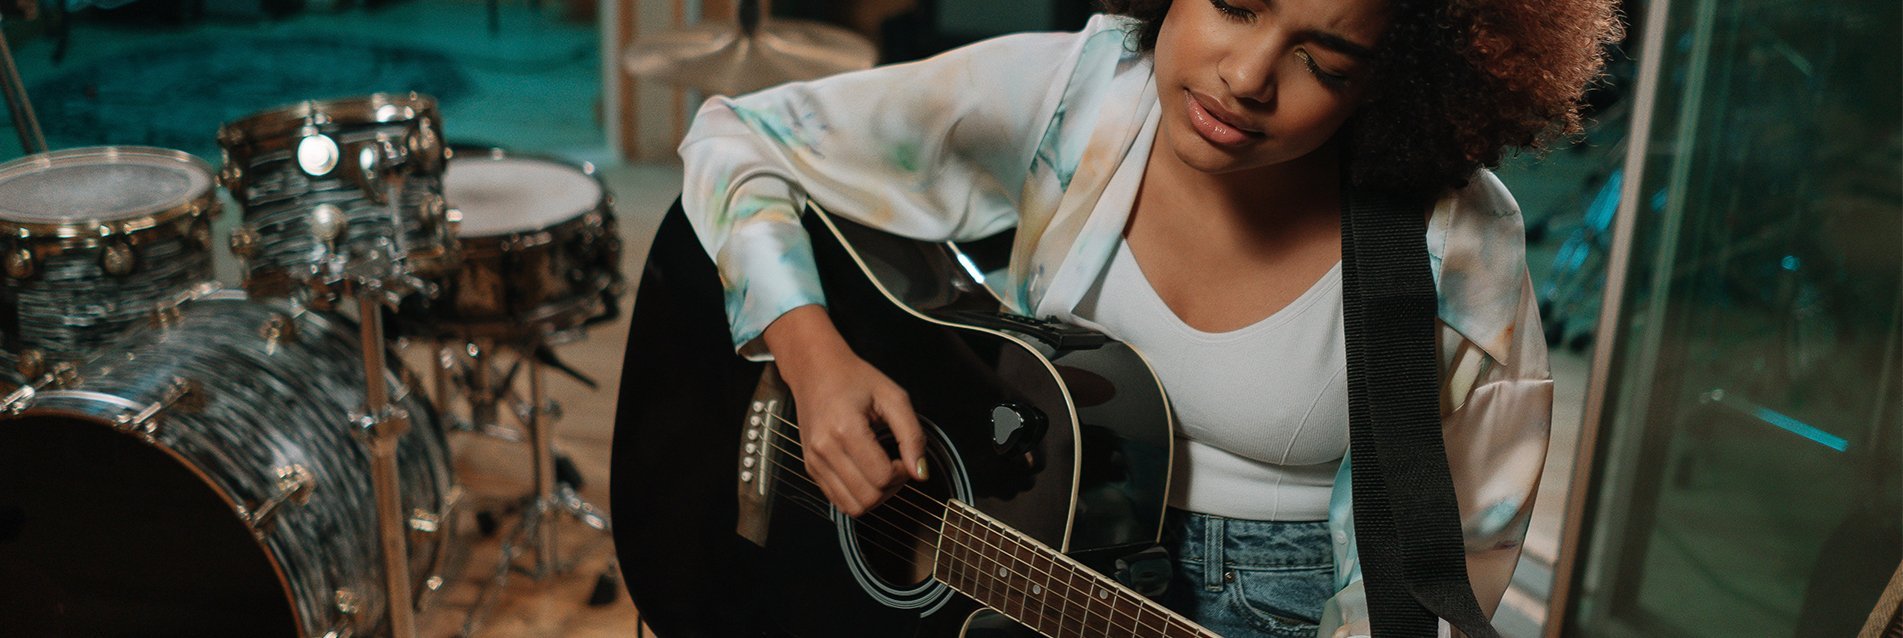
column 1305, row 183
column 1246, row 209
column 1040, row 588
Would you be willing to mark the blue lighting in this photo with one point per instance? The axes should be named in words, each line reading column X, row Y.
column 1790, row 263
column 1802, row 429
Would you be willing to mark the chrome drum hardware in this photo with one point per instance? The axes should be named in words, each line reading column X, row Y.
column 94, row 241
column 206, row 475
column 325, row 184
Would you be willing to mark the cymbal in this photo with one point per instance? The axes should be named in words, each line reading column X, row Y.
column 728, row 59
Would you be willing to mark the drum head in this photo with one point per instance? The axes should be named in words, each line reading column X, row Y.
column 506, row 195
column 103, row 184
column 104, row 535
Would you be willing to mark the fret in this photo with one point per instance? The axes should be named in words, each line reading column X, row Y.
column 1041, row 588
column 1012, row 574
column 1148, row 622
column 1079, row 598
column 1035, row 608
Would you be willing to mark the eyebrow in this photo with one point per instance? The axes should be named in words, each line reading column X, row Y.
column 1338, row 43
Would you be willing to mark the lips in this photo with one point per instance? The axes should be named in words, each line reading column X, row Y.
column 1215, row 109
column 1217, row 126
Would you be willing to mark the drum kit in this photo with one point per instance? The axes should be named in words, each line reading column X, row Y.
column 177, row 458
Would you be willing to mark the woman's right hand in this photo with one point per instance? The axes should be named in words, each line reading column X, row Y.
column 840, row 399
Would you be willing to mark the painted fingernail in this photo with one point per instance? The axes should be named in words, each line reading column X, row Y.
column 923, row 472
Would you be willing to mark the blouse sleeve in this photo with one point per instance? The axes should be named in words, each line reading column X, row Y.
column 935, row 150
column 1497, row 414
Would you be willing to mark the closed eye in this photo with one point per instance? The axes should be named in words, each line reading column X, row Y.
column 1327, row 77
column 1233, row 12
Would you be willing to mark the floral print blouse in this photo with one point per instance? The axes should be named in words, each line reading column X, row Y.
column 1050, row 132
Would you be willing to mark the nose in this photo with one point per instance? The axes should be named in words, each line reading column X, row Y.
column 1250, row 75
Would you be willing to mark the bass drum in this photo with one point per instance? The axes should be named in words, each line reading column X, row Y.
column 202, row 480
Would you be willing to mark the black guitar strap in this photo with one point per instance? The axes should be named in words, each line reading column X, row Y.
column 1407, row 526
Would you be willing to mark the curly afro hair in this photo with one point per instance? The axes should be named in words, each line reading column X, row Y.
column 1459, row 83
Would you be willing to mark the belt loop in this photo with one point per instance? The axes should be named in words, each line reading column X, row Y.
column 1214, row 559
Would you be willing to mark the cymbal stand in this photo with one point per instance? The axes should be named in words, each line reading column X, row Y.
column 18, row 105
column 551, row 499
column 380, row 426
column 375, row 280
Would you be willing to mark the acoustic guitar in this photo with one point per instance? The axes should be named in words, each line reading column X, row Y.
column 1049, row 448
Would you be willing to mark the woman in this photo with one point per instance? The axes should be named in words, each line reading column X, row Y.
column 1173, row 174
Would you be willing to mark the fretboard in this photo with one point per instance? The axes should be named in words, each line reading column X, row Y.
column 1042, row 588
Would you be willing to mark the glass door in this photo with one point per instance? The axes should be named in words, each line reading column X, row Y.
column 1745, row 472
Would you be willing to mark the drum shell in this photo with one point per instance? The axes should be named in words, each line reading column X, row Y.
column 70, row 287
column 550, row 279
column 268, row 389
column 400, row 135
column 527, row 283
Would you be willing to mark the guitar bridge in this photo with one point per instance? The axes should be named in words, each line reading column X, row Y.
column 757, row 453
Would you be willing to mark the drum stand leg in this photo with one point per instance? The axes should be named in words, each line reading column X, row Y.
column 476, row 380
column 551, row 500
column 380, row 427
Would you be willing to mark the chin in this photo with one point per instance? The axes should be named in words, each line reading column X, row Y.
column 1199, row 154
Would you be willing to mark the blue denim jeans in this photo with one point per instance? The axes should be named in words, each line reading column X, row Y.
column 1249, row 578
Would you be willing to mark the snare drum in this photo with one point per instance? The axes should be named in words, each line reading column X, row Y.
column 96, row 240
column 540, row 253
column 203, row 481
column 325, row 183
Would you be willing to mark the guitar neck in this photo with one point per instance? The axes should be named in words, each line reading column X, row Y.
column 1042, row 588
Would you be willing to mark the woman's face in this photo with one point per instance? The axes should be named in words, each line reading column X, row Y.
column 1251, row 83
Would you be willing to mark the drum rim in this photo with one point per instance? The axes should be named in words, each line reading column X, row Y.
column 190, row 205
column 526, row 237
column 257, row 540
column 350, row 109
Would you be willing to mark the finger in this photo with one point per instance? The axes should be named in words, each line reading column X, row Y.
column 868, row 457
column 835, row 488
column 823, row 477
column 850, row 479
column 896, row 411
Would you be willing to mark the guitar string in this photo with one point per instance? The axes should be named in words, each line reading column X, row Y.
column 969, row 568
column 1014, row 541
column 1047, row 612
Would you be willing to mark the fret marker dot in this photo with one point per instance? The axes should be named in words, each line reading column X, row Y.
column 1103, row 593
column 1002, row 572
column 1036, row 589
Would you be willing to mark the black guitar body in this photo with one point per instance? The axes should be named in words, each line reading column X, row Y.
column 1057, row 432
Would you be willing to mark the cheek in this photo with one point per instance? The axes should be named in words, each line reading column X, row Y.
column 1313, row 113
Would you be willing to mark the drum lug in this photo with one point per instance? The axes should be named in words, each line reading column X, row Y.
column 118, row 259
column 230, row 174
column 348, row 605
column 244, row 242
column 32, row 364
column 20, row 263
column 327, row 223
column 201, row 228
column 294, row 486
column 277, row 330
column 166, row 316
column 143, row 419
column 61, row 374
column 427, row 147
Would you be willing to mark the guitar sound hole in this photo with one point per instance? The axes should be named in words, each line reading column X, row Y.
column 897, row 539
column 891, row 549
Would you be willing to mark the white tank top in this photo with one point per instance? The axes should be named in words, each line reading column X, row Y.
column 1261, row 411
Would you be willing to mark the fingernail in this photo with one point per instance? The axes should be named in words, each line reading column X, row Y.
column 923, row 472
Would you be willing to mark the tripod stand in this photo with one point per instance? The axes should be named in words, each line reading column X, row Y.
column 483, row 373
